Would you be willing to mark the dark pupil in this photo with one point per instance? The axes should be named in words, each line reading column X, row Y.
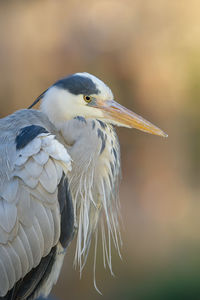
column 87, row 98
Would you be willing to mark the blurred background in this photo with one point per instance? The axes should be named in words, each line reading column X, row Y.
column 148, row 52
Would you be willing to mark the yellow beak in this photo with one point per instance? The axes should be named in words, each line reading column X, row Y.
column 124, row 117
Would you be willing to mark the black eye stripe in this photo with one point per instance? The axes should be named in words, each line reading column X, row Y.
column 77, row 85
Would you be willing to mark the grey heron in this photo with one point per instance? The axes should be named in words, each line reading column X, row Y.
column 59, row 170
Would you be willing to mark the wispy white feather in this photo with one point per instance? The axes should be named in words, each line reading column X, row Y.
column 94, row 188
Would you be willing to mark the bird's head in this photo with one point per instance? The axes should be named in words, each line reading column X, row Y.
column 83, row 94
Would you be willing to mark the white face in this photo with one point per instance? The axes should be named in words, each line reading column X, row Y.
column 60, row 105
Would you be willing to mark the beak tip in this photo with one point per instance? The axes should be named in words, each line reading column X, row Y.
column 165, row 135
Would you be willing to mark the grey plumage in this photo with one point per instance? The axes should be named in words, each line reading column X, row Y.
column 31, row 211
column 59, row 172
column 66, row 211
column 90, row 176
column 103, row 139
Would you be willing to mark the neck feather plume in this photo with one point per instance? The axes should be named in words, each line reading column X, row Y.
column 94, row 179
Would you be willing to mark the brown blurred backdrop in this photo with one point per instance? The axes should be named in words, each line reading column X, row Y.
column 148, row 52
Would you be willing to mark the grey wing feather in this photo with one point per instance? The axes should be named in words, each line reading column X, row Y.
column 29, row 208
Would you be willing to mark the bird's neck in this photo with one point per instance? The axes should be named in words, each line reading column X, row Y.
column 94, row 149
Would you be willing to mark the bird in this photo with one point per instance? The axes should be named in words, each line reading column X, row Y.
column 59, row 180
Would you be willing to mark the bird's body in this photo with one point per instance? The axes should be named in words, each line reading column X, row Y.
column 59, row 170
column 30, row 213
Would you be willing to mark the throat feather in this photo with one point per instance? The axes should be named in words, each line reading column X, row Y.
column 95, row 189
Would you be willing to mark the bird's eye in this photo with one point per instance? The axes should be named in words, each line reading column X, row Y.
column 87, row 99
